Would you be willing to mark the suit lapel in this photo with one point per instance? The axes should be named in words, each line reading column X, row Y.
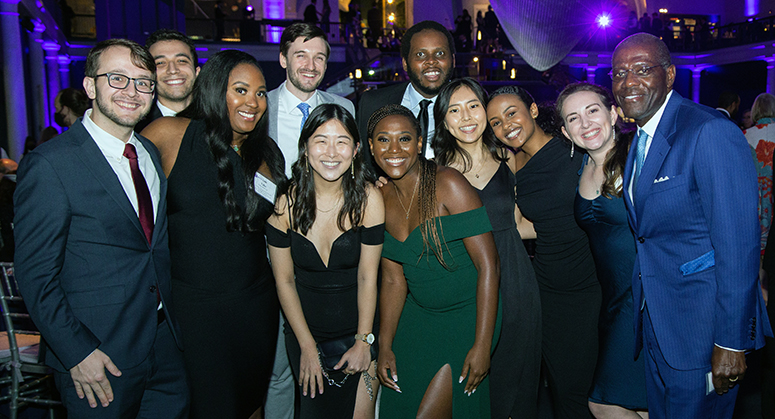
column 628, row 168
column 95, row 163
column 660, row 146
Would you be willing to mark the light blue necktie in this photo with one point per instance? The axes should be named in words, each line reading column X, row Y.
column 640, row 157
column 304, row 108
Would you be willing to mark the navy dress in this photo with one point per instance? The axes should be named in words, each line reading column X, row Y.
column 619, row 379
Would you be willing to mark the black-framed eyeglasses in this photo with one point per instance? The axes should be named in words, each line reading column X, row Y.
column 120, row 81
column 641, row 71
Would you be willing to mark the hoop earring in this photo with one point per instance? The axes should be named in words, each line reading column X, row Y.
column 572, row 149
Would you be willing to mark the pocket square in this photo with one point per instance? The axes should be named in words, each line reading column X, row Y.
column 662, row 179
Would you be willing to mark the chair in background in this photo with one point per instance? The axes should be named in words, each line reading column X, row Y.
column 26, row 380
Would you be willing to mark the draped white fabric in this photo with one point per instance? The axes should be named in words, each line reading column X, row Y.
column 542, row 31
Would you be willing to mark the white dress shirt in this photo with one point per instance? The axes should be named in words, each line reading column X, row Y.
column 289, row 124
column 113, row 150
column 165, row 111
column 651, row 129
column 412, row 100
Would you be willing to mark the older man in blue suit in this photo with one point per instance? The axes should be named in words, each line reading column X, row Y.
column 92, row 258
column 690, row 191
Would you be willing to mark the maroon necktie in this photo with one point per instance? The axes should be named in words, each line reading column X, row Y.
column 144, row 203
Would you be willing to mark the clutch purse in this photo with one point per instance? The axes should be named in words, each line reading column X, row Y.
column 331, row 352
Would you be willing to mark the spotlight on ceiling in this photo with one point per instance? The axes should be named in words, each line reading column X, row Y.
column 603, row 20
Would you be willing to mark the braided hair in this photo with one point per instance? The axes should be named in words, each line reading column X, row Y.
column 432, row 237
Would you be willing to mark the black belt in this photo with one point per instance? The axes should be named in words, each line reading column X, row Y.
column 160, row 316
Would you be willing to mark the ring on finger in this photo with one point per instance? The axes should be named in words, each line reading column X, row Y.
column 733, row 379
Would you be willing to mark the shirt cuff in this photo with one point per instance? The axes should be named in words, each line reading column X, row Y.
column 730, row 349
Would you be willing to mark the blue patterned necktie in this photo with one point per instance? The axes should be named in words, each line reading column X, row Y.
column 304, row 108
column 640, row 157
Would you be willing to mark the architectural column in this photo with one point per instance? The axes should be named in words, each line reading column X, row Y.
column 52, row 72
column 696, row 74
column 13, row 78
column 771, row 77
column 64, row 70
column 42, row 109
column 591, row 75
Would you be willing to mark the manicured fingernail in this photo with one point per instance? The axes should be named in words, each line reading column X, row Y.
column 398, row 390
column 460, row 380
column 474, row 391
column 395, row 378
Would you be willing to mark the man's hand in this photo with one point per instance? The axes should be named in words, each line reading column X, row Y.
column 90, row 379
column 728, row 368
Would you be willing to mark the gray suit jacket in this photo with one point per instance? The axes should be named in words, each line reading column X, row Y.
column 273, row 100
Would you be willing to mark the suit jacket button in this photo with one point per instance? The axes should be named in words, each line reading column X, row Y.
column 152, row 288
column 641, row 239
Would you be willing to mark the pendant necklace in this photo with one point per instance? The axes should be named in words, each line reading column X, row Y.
column 411, row 201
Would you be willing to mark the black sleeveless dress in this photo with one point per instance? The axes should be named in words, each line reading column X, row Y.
column 223, row 288
column 329, row 300
column 565, row 270
column 516, row 360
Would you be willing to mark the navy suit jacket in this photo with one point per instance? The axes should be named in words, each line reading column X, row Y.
column 85, row 269
column 697, row 237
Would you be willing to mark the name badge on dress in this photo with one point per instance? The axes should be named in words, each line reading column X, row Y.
column 264, row 187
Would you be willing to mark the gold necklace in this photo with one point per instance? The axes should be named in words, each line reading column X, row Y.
column 332, row 208
column 411, row 201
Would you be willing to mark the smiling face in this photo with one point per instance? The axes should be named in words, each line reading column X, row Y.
column 305, row 65
column 641, row 97
column 430, row 62
column 245, row 98
column 466, row 118
column 175, row 71
column 330, row 151
column 116, row 110
column 395, row 146
column 587, row 122
column 511, row 121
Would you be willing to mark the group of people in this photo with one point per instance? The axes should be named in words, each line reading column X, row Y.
column 394, row 239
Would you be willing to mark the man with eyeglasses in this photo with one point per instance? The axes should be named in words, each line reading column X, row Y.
column 691, row 194
column 92, row 257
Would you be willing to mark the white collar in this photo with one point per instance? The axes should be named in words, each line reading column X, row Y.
column 415, row 97
column 289, row 101
column 165, row 111
column 651, row 126
column 111, row 146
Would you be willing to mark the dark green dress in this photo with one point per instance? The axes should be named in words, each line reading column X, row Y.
column 438, row 323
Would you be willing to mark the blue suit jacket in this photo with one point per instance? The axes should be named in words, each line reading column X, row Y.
column 696, row 227
column 84, row 267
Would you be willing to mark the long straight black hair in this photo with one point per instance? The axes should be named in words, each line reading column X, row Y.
column 445, row 145
column 300, row 189
column 209, row 104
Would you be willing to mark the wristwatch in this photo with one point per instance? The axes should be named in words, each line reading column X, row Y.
column 369, row 338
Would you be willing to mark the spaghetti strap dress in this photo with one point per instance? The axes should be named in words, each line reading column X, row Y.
column 438, row 322
column 329, row 300
column 223, row 288
column 516, row 361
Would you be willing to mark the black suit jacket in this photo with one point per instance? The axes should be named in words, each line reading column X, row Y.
column 371, row 101
column 87, row 273
column 153, row 115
